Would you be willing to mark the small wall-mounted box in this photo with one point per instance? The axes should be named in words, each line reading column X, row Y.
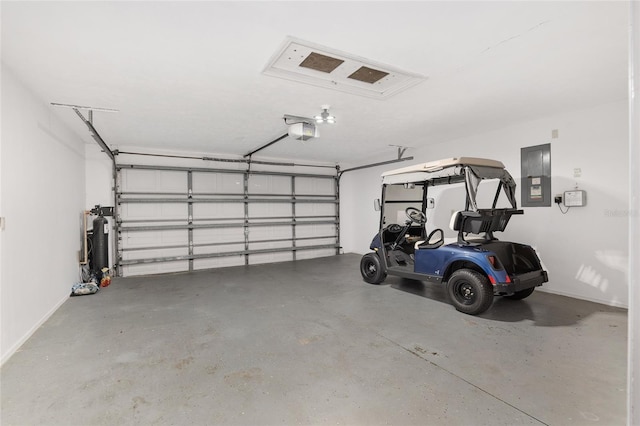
column 577, row 198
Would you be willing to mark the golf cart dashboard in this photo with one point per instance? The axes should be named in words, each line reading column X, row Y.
column 392, row 231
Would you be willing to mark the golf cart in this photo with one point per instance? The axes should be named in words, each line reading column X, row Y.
column 476, row 266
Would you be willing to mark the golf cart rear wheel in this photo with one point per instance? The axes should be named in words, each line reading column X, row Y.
column 519, row 295
column 470, row 291
column 371, row 268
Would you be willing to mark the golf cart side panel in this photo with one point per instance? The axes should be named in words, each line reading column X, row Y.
column 376, row 243
column 431, row 261
column 521, row 263
column 516, row 258
column 437, row 262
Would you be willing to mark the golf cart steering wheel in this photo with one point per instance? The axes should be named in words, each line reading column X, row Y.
column 416, row 215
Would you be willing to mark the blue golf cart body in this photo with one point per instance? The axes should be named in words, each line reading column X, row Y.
column 475, row 269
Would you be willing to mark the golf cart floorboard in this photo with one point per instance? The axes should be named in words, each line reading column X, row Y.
column 404, row 273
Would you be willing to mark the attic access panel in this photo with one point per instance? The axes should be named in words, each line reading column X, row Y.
column 368, row 75
column 318, row 62
column 354, row 74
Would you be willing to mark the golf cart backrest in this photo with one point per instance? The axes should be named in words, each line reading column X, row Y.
column 482, row 221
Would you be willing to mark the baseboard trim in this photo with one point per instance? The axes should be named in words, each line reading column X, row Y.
column 580, row 297
column 14, row 348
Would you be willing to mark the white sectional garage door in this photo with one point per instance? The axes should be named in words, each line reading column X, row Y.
column 172, row 219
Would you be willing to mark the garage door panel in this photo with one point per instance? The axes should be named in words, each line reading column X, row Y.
column 155, row 253
column 217, row 235
column 222, row 249
column 220, row 225
column 260, row 233
column 311, row 254
column 260, row 258
column 154, row 211
column 218, row 262
column 327, row 240
column 155, row 268
column 315, row 186
column 202, row 211
column 311, row 209
column 218, row 183
column 139, row 180
column 160, row 181
column 269, row 210
column 315, row 230
column 268, row 184
column 265, row 245
column 157, row 238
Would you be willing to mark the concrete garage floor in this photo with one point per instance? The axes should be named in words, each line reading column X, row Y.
column 309, row 342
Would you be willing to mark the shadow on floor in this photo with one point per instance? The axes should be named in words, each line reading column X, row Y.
column 543, row 309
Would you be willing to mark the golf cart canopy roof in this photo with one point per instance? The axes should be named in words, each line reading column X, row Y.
column 469, row 170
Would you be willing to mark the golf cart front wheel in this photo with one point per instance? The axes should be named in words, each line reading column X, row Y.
column 371, row 268
column 470, row 291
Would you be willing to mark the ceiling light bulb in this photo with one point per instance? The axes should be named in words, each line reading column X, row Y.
column 324, row 116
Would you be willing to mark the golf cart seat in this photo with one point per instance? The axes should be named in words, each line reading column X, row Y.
column 433, row 241
column 485, row 221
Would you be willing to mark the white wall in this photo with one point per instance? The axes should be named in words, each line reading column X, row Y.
column 633, row 387
column 99, row 179
column 42, row 198
column 584, row 251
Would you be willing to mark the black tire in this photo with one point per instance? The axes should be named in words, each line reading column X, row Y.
column 470, row 291
column 519, row 295
column 371, row 269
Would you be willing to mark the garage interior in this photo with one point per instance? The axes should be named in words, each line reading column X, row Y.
column 236, row 151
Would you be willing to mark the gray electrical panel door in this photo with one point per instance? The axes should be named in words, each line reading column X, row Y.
column 535, row 185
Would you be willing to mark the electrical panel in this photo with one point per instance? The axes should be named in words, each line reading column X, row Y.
column 535, row 164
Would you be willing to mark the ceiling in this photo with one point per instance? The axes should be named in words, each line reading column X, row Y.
column 188, row 75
